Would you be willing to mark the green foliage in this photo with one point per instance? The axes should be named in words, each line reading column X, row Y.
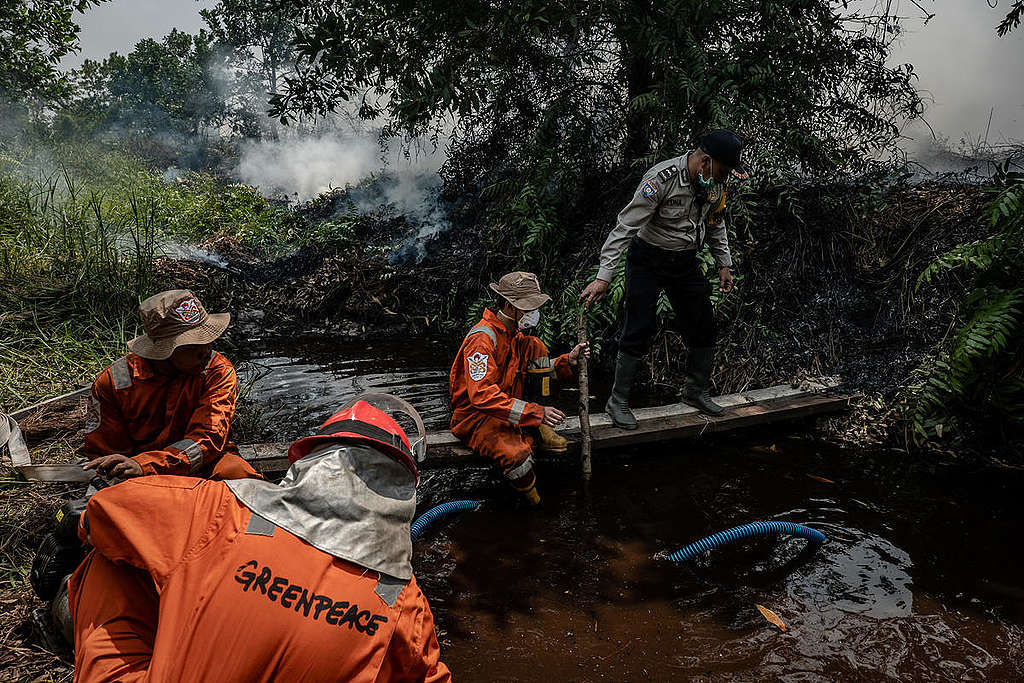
column 804, row 81
column 336, row 232
column 74, row 260
column 979, row 367
column 256, row 37
column 80, row 226
column 171, row 86
column 200, row 205
column 554, row 107
column 93, row 243
column 34, row 37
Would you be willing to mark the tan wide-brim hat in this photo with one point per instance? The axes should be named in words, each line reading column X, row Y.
column 175, row 318
column 522, row 290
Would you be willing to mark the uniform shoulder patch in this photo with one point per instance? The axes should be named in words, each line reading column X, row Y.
column 477, row 363
column 666, row 173
column 648, row 190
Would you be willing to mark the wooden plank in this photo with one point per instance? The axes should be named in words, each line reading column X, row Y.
column 659, row 423
column 77, row 393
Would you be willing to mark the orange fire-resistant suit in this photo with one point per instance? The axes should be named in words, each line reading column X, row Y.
column 169, row 424
column 238, row 599
column 487, row 385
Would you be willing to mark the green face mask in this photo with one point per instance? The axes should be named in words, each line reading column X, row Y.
column 706, row 183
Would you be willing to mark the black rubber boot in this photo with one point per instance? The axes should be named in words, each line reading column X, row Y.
column 617, row 406
column 698, row 379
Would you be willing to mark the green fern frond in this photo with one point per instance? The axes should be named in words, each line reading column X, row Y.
column 996, row 321
column 975, row 256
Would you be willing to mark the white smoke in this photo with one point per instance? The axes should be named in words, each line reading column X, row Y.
column 415, row 195
column 970, row 79
column 189, row 252
column 305, row 167
column 400, row 177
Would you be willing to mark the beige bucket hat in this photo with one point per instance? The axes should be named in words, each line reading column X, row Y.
column 175, row 318
column 522, row 290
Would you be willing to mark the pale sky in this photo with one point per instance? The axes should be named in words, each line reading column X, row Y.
column 962, row 65
column 116, row 26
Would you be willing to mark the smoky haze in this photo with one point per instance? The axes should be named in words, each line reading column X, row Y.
column 966, row 73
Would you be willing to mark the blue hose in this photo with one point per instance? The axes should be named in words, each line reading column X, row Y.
column 435, row 513
column 772, row 528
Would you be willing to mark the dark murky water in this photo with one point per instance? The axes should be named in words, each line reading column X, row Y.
column 302, row 383
column 920, row 579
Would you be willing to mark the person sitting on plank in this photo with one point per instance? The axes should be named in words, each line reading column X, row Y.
column 166, row 407
column 497, row 367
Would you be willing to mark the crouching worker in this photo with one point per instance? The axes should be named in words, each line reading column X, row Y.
column 500, row 378
column 245, row 580
column 166, row 407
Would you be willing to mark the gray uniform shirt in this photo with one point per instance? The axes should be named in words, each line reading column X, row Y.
column 664, row 214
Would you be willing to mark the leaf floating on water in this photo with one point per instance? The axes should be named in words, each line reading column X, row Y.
column 938, row 430
column 773, row 448
column 823, row 480
column 771, row 616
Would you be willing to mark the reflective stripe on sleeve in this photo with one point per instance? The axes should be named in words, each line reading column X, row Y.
column 260, row 526
column 389, row 588
column 120, row 373
column 516, row 414
column 486, row 330
column 192, row 451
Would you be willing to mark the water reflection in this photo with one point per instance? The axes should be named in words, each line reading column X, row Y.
column 919, row 580
column 297, row 393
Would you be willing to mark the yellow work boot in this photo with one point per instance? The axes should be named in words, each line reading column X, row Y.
column 529, row 491
column 551, row 441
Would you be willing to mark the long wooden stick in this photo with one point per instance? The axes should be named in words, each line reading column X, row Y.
column 581, row 338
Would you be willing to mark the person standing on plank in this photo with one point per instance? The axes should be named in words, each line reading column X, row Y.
column 499, row 378
column 307, row 580
column 675, row 210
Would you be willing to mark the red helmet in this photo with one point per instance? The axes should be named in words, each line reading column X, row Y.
column 363, row 419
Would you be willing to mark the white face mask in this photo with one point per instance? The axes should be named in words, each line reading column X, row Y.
column 529, row 319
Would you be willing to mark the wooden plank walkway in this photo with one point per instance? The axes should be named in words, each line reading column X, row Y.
column 660, row 423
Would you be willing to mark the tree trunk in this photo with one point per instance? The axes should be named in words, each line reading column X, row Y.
column 639, row 75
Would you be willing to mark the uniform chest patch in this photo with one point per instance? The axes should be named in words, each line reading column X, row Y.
column 477, row 366
column 648, row 190
column 666, row 173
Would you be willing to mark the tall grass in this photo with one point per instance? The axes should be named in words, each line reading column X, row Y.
column 74, row 260
column 80, row 227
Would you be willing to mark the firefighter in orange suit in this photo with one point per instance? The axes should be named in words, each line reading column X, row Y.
column 492, row 374
column 166, row 407
column 244, row 580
